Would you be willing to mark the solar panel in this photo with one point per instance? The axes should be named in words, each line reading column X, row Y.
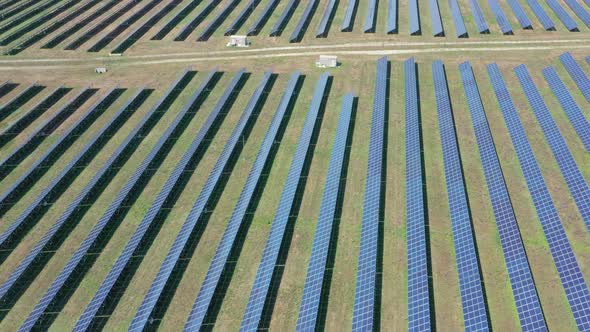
column 579, row 10
column 419, row 311
column 49, row 305
column 437, row 27
column 259, row 293
column 303, row 22
column 371, row 18
column 277, row 29
column 348, row 20
column 262, row 18
column 230, row 237
column 482, row 26
column 28, row 268
column 563, row 16
column 33, row 140
column 470, row 279
column 414, row 17
column 503, row 22
column 29, row 117
column 132, row 249
column 527, row 301
column 196, row 20
column 242, row 17
column 19, row 100
column 366, row 277
column 567, row 164
column 29, row 176
column 316, row 271
column 541, row 14
column 322, row 30
column 576, row 73
column 141, row 30
column 177, row 18
column 80, row 24
column 521, row 16
column 217, row 21
column 569, row 271
column 460, row 28
column 569, row 105
column 53, row 27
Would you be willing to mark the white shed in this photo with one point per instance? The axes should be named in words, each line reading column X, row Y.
column 327, row 61
column 238, row 41
column 100, row 70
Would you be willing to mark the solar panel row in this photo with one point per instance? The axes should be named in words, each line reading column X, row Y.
column 569, row 169
column 303, row 21
column 277, row 29
column 579, row 11
column 252, row 317
column 366, row 278
column 577, row 73
column 460, row 29
column 176, row 19
column 470, row 279
column 480, row 20
column 196, row 20
column 538, row 10
column 371, row 18
column 98, row 309
column 218, row 20
column 316, row 271
column 25, row 15
column 569, row 105
column 437, row 27
column 527, row 301
column 19, row 100
column 503, row 22
column 211, row 285
column 262, row 18
column 570, row 275
column 391, row 16
column 323, row 28
column 521, row 16
column 51, row 303
column 419, row 311
column 348, row 20
column 563, row 16
column 20, row 8
column 242, row 17
column 414, row 17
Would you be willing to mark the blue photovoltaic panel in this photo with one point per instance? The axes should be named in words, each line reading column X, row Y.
column 48, row 242
column 104, row 292
column 391, row 16
column 259, row 293
column 310, row 303
column 414, row 17
column 437, row 28
column 15, row 157
column 579, row 10
column 42, row 164
column 527, row 301
column 563, row 16
column 540, row 13
column 588, row 59
column 196, row 20
column 521, row 16
column 242, row 16
column 569, row 105
column 217, row 21
column 460, row 29
column 371, row 17
column 230, row 238
column 503, row 22
column 277, row 29
column 328, row 12
column 567, row 164
column 567, row 266
column 348, row 20
column 419, row 311
column 262, row 18
column 298, row 32
column 68, row 274
column 470, row 280
column 364, row 298
column 482, row 26
column 577, row 73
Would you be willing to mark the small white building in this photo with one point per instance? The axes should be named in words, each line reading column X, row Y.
column 100, row 70
column 327, row 61
column 238, row 41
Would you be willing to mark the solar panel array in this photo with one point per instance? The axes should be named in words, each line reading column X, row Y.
column 262, row 18
column 567, row 164
column 26, row 15
column 419, row 297
column 366, row 278
column 270, row 256
column 482, row 26
column 242, row 17
column 414, row 17
column 177, row 18
column 316, row 271
column 348, row 20
column 303, row 21
column 46, row 307
column 460, row 29
column 437, row 27
column 503, row 22
column 563, row 16
column 322, row 30
column 212, row 26
column 196, row 20
column 277, row 29
column 567, row 266
column 541, row 15
column 527, row 301
column 371, row 18
column 569, row 105
column 470, row 279
column 19, row 100
column 576, row 73
column 521, row 16
column 582, row 14
column 230, row 238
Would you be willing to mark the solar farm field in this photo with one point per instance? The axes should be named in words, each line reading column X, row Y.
column 154, row 178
